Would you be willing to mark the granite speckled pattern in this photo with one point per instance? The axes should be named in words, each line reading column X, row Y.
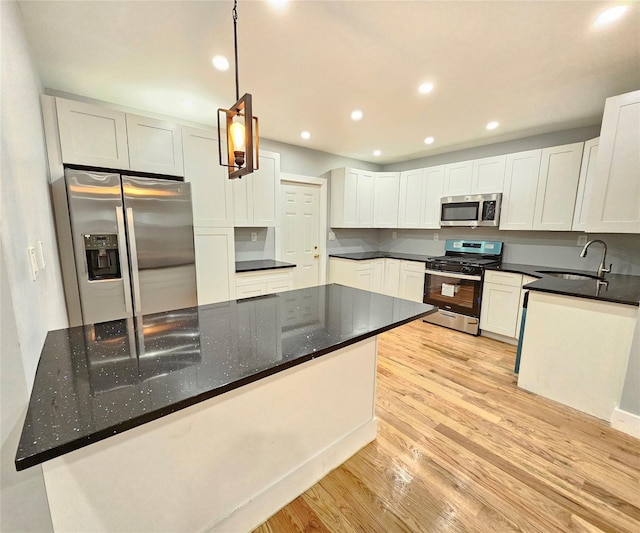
column 617, row 288
column 261, row 264
column 365, row 256
column 96, row 381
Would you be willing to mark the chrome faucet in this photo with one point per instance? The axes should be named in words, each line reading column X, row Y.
column 602, row 269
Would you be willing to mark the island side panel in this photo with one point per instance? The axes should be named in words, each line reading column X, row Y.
column 229, row 462
column 575, row 351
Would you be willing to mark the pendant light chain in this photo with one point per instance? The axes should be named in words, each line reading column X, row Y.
column 235, row 44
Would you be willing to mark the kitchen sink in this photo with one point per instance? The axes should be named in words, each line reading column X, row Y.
column 567, row 275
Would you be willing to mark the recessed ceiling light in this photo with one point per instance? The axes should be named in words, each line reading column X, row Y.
column 305, row 135
column 376, row 153
column 610, row 15
column 188, row 103
column 429, row 140
column 425, row 88
column 492, row 125
column 221, row 63
column 356, row 114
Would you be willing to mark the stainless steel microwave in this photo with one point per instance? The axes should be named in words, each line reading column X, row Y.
column 472, row 210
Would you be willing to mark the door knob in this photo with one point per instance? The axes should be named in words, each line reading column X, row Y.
column 316, row 256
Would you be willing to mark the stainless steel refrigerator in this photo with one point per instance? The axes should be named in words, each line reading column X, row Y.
column 126, row 245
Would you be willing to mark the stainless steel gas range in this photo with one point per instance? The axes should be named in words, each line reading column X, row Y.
column 453, row 282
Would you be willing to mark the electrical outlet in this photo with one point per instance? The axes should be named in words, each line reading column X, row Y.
column 254, row 236
column 394, row 234
column 582, row 240
column 436, row 236
column 34, row 262
column 332, row 236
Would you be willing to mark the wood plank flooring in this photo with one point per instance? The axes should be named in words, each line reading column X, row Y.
column 461, row 448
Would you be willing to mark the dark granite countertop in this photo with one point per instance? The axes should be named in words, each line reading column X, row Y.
column 95, row 381
column 364, row 256
column 619, row 288
column 261, row 264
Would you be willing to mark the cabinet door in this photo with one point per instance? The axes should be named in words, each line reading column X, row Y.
column 520, row 185
column 431, row 196
column 377, row 284
column 385, row 200
column 342, row 271
column 457, row 178
column 615, row 197
column 557, row 187
column 350, row 198
column 488, row 174
column 411, row 281
column 154, row 146
column 500, row 306
column 364, row 279
column 92, row 135
column 587, row 172
column 211, row 192
column 391, row 285
column 410, row 202
column 365, row 195
column 242, row 193
column 215, row 264
column 266, row 190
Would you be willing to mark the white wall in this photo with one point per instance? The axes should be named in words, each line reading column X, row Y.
column 29, row 308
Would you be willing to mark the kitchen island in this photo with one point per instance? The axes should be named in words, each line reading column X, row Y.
column 206, row 418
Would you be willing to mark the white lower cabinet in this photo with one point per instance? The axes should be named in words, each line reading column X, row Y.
column 215, row 264
column 391, row 283
column 261, row 282
column 411, row 280
column 502, row 297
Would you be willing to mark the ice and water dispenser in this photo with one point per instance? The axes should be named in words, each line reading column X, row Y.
column 103, row 259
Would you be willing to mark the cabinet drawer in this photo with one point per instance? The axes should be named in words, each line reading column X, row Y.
column 503, row 278
column 412, row 266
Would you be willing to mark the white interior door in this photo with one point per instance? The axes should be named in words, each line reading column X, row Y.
column 301, row 232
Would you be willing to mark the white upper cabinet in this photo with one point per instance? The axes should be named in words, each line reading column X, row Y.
column 488, row 175
column 210, row 186
column 614, row 205
column 557, row 187
column 458, row 178
column 385, row 199
column 256, row 196
column 92, row 135
column 587, row 172
column 520, row 186
column 420, row 194
column 352, row 198
column 154, row 145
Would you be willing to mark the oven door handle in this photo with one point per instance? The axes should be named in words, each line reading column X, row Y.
column 453, row 275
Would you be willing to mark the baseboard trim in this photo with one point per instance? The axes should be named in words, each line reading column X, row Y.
column 498, row 337
column 626, row 422
column 287, row 489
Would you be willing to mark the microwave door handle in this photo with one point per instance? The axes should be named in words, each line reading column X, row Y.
column 453, row 275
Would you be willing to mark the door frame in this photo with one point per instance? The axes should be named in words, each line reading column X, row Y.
column 297, row 179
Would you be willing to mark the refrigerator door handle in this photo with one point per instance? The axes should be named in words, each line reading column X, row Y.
column 122, row 250
column 133, row 258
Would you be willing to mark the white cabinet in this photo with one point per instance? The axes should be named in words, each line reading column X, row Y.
column 256, row 197
column 385, row 199
column 520, row 186
column 375, row 275
column 154, row 145
column 391, row 283
column 411, row 280
column 458, row 178
column 260, row 282
column 614, row 205
column 352, row 196
column 557, row 187
column 211, row 191
column 215, row 264
column 420, row 194
column 92, row 135
column 587, row 172
column 488, row 175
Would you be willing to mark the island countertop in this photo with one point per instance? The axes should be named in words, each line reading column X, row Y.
column 98, row 380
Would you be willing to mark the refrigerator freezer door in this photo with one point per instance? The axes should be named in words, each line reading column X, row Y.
column 160, row 230
column 94, row 200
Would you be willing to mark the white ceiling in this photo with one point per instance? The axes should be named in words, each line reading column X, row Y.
column 534, row 66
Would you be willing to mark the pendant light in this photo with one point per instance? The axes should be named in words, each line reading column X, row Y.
column 237, row 127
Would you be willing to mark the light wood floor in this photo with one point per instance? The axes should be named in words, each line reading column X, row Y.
column 461, row 448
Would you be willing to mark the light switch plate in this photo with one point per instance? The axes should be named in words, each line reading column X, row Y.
column 332, row 236
column 254, row 236
column 34, row 262
column 582, row 240
column 41, row 250
column 394, row 234
column 436, row 236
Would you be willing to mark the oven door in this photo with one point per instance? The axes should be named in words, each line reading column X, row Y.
column 452, row 291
